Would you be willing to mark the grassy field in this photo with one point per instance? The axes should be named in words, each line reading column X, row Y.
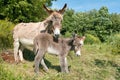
column 95, row 63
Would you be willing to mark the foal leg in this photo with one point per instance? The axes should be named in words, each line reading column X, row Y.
column 16, row 47
column 38, row 59
column 44, row 65
column 63, row 64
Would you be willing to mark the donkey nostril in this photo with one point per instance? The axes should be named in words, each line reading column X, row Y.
column 57, row 35
column 77, row 55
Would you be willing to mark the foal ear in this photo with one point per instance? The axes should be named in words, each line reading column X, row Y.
column 47, row 9
column 74, row 35
column 83, row 37
column 63, row 9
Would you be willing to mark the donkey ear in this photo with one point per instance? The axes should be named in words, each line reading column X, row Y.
column 63, row 9
column 47, row 9
column 74, row 35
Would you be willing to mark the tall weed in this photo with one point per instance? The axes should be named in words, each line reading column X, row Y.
column 91, row 39
column 6, row 39
column 114, row 42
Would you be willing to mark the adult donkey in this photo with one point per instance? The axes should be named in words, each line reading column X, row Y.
column 24, row 33
column 44, row 42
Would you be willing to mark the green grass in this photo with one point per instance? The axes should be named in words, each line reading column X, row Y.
column 95, row 63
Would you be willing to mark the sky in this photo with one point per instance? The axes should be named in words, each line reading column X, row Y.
column 87, row 5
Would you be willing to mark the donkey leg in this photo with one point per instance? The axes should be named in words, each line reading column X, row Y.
column 63, row 64
column 16, row 47
column 21, row 54
column 38, row 59
column 44, row 65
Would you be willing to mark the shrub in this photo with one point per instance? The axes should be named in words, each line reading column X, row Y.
column 67, row 34
column 6, row 39
column 114, row 42
column 90, row 39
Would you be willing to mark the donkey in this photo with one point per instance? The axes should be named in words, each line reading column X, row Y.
column 24, row 33
column 45, row 43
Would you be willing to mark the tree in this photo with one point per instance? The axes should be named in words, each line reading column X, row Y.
column 103, row 24
column 23, row 10
column 99, row 23
column 68, row 21
column 115, row 18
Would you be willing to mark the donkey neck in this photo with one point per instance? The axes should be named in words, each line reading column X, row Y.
column 68, row 41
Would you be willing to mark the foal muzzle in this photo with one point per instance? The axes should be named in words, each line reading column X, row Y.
column 78, row 53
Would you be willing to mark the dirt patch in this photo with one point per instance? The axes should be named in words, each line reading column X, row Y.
column 7, row 56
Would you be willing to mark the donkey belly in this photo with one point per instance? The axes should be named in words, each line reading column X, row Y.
column 52, row 50
column 27, row 43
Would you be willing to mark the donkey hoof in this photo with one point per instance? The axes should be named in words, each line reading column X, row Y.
column 37, row 72
column 67, row 71
column 17, row 62
column 23, row 61
column 33, row 66
column 46, row 70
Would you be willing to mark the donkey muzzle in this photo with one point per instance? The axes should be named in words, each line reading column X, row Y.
column 57, row 32
column 78, row 53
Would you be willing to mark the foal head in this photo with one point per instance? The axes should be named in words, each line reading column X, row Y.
column 55, row 20
column 78, row 43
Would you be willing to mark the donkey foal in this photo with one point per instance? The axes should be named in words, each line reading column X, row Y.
column 44, row 42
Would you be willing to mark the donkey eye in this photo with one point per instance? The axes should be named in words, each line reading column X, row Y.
column 55, row 17
column 61, row 21
column 75, row 47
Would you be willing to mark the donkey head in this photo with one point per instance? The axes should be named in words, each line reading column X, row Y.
column 55, row 20
column 78, row 43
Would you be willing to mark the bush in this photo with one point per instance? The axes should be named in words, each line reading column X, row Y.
column 6, row 39
column 90, row 39
column 114, row 42
column 67, row 34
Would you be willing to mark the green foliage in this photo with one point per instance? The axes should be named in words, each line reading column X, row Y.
column 90, row 39
column 6, row 74
column 67, row 34
column 96, row 22
column 114, row 42
column 23, row 10
column 68, row 21
column 115, row 18
column 6, row 39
